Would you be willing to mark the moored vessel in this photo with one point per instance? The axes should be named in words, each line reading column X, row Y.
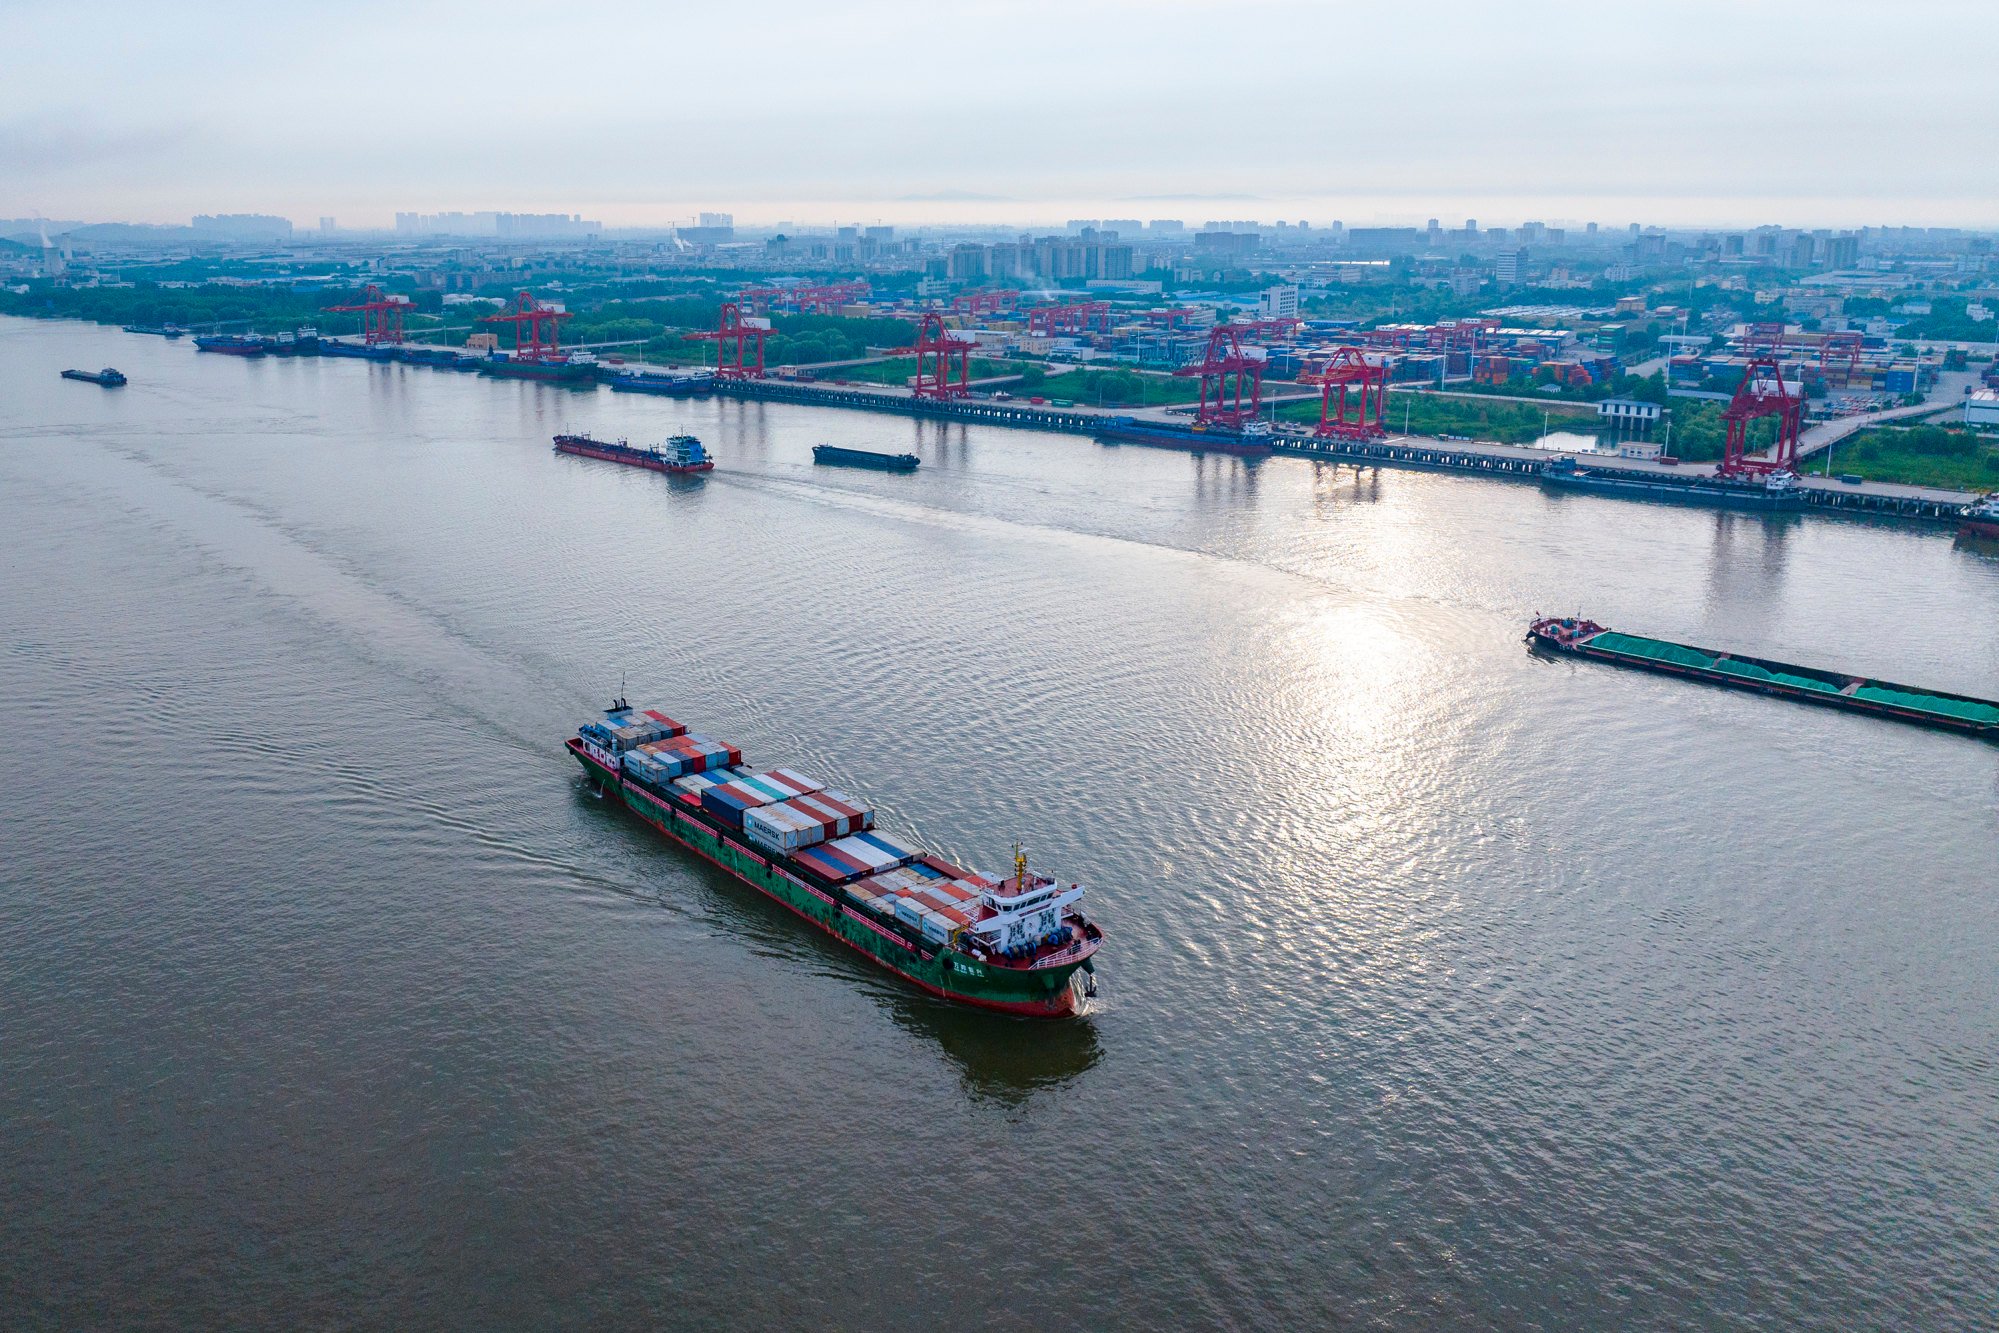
column 832, row 455
column 556, row 367
column 1577, row 637
column 670, row 386
column 1981, row 519
column 1249, row 440
column 107, row 377
column 682, row 453
column 1015, row 944
column 1775, row 491
column 230, row 344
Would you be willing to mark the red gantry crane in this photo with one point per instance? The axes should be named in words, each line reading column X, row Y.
column 991, row 301
column 537, row 327
column 1761, row 394
column 935, row 347
column 1226, row 373
column 381, row 315
column 736, row 331
column 1350, row 368
column 1074, row 317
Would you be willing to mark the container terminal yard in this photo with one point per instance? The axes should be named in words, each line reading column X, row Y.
column 1349, row 382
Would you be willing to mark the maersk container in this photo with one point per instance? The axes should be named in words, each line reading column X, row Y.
column 803, row 821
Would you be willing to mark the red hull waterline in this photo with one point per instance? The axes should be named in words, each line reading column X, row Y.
column 649, row 464
column 1063, row 1005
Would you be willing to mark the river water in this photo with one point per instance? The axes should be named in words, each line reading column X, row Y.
column 1444, row 986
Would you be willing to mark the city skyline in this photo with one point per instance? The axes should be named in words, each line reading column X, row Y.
column 1018, row 114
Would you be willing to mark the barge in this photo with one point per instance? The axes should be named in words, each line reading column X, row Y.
column 832, row 455
column 1249, row 440
column 556, row 368
column 230, row 344
column 107, row 377
column 1019, row 944
column 1981, row 520
column 683, row 453
column 669, row 386
column 1577, row 637
column 1773, row 492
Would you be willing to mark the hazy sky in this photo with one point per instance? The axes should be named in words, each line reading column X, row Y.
column 1825, row 113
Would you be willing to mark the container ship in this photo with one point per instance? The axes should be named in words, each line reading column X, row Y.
column 230, row 344
column 559, row 367
column 107, row 377
column 1019, row 944
column 670, row 386
column 1250, row 440
column 1981, row 520
column 1778, row 491
column 683, row 453
column 1903, row 703
column 832, row 455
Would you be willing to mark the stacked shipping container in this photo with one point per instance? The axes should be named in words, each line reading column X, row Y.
column 630, row 728
column 662, row 761
column 730, row 801
column 805, row 821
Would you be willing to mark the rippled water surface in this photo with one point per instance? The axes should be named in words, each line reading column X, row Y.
column 1445, row 987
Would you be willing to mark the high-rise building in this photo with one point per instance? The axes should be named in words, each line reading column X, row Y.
column 718, row 219
column 1510, row 267
column 1279, row 302
column 326, row 226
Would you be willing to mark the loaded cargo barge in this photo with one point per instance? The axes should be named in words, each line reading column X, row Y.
column 1250, row 440
column 1773, row 493
column 1831, row 689
column 832, row 455
column 683, row 453
column 1020, row 944
column 107, row 377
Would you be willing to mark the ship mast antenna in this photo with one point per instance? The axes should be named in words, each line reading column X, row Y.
column 1019, row 869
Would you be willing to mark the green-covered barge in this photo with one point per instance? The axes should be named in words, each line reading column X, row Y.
column 1577, row 637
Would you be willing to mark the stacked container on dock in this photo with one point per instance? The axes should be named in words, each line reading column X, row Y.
column 805, row 821
column 662, row 761
column 729, row 801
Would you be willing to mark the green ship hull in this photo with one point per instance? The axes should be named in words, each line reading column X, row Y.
column 1045, row 991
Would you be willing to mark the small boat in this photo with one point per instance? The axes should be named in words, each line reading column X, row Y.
column 832, row 455
column 108, row 377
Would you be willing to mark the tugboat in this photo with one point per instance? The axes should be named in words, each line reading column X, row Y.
column 107, row 377
column 683, row 453
column 1981, row 520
